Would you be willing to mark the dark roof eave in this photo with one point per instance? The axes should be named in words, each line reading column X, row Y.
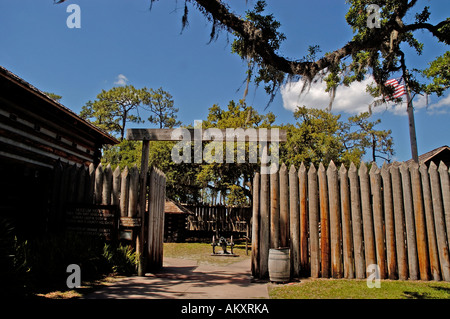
column 104, row 137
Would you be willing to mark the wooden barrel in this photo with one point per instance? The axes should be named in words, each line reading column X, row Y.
column 279, row 265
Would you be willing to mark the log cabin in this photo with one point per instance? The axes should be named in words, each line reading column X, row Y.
column 36, row 134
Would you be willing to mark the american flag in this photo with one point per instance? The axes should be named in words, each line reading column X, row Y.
column 399, row 87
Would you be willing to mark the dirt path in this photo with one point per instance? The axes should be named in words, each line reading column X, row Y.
column 184, row 279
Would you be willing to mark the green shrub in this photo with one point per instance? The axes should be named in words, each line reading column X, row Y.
column 14, row 271
column 122, row 259
column 48, row 258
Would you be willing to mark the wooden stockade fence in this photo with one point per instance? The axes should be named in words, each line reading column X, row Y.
column 122, row 188
column 337, row 222
column 218, row 218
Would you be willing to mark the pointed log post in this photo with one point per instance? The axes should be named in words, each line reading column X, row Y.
column 399, row 222
column 294, row 220
column 81, row 184
column 431, row 232
column 419, row 222
column 133, row 199
column 369, row 236
column 284, row 207
column 347, row 240
column 357, row 225
column 409, row 223
column 377, row 206
column 335, row 221
column 255, row 226
column 389, row 223
column 313, row 196
column 124, row 192
column 445, row 188
column 264, row 229
column 115, row 200
column 107, row 185
column 274, row 210
column 142, row 214
column 324, row 222
column 98, row 184
column 439, row 222
column 305, row 268
column 90, row 185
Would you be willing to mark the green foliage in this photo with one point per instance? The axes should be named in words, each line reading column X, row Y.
column 319, row 136
column 113, row 109
column 267, row 74
column 161, row 106
column 49, row 256
column 380, row 142
column 54, row 96
column 181, row 183
column 439, row 73
column 126, row 153
column 121, row 259
column 14, row 271
column 315, row 138
column 40, row 263
column 231, row 180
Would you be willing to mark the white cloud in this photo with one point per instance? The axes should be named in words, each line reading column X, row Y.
column 121, row 80
column 441, row 106
column 352, row 100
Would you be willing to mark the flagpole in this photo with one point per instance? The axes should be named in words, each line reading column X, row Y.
column 412, row 125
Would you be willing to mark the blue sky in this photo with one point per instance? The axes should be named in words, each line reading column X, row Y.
column 124, row 40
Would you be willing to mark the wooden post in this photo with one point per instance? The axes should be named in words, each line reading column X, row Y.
column 57, row 205
column 369, row 237
column 429, row 219
column 294, row 222
column 357, row 225
column 347, row 241
column 419, row 219
column 274, row 210
column 264, row 231
column 151, row 220
column 90, row 185
column 124, row 192
column 399, row 223
column 71, row 194
column 305, row 268
column 324, row 222
column 313, row 196
column 335, row 221
column 409, row 222
column 284, row 207
column 142, row 198
column 81, row 184
column 377, row 206
column 389, row 223
column 439, row 222
column 162, row 214
column 255, row 226
column 98, row 184
column 133, row 198
column 445, row 188
column 107, row 185
column 116, row 187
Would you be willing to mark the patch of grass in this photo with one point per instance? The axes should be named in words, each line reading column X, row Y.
column 86, row 288
column 201, row 252
column 357, row 289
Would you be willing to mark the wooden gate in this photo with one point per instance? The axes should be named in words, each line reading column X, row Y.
column 136, row 195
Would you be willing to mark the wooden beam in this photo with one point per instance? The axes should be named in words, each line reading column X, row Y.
column 228, row 135
column 142, row 262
